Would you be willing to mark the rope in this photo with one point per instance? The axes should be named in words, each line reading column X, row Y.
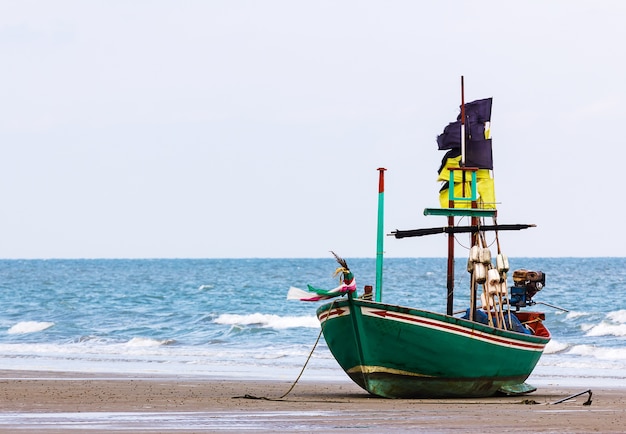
column 532, row 321
column 305, row 363
column 247, row 396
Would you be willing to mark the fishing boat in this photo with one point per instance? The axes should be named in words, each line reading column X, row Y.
column 492, row 346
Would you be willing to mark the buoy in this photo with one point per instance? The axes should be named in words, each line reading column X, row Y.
column 493, row 281
column 485, row 256
column 502, row 263
column 475, row 254
column 480, row 273
column 486, row 304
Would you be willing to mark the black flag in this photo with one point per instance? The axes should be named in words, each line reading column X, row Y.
column 478, row 138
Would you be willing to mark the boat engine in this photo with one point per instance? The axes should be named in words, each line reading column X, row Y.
column 526, row 285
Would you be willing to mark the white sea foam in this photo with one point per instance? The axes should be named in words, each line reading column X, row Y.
column 606, row 329
column 267, row 320
column 582, row 350
column 617, row 316
column 575, row 314
column 602, row 353
column 147, row 342
column 271, row 361
column 29, row 327
column 555, row 347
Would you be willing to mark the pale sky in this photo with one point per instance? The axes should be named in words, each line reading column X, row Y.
column 227, row 129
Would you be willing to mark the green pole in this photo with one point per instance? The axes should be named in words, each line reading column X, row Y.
column 380, row 234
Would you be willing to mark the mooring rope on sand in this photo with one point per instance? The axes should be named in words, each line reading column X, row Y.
column 247, row 396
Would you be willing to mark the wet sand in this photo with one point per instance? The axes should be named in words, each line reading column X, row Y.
column 64, row 402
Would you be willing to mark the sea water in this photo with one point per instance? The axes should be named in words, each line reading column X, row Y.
column 229, row 318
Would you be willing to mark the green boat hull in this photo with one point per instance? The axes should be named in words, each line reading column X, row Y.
column 400, row 352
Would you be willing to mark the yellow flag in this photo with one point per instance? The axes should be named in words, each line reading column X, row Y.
column 484, row 186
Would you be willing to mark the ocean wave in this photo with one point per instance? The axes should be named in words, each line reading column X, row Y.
column 147, row 342
column 575, row 314
column 267, row 320
column 606, row 329
column 602, row 353
column 617, row 316
column 555, row 347
column 25, row 327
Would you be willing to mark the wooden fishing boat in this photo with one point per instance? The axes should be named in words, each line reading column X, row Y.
column 400, row 352
column 395, row 351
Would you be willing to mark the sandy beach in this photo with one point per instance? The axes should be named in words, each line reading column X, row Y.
column 62, row 402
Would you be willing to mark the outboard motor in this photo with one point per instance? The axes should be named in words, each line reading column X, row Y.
column 525, row 285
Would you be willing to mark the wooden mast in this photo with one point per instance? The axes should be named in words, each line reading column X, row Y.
column 450, row 273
